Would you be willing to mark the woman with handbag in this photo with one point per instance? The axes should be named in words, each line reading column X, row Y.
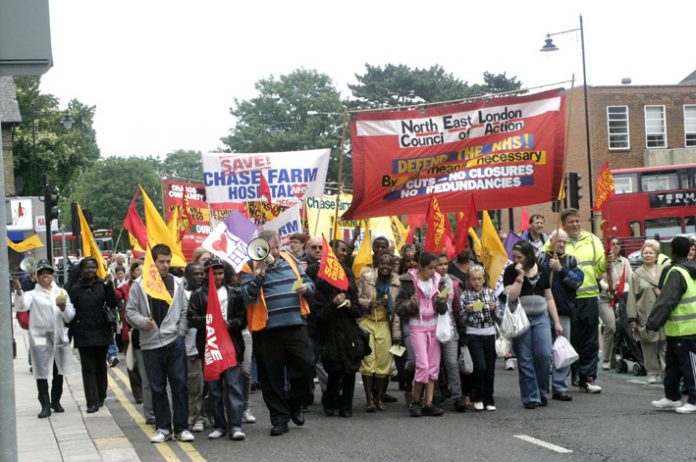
column 93, row 330
column 642, row 294
column 51, row 311
column 528, row 287
column 341, row 341
column 418, row 302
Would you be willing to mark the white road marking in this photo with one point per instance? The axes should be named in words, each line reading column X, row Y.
column 543, row 444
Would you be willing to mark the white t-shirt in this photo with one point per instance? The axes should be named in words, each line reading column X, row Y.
column 222, row 296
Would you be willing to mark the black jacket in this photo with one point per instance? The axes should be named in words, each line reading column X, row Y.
column 670, row 296
column 89, row 327
column 341, row 341
column 405, row 308
column 236, row 315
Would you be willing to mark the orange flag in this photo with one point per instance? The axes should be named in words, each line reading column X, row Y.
column 439, row 232
column 524, row 220
column 185, row 219
column 605, row 187
column 152, row 281
column 330, row 268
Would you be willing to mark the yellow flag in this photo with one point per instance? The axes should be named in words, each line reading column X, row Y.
column 172, row 224
column 477, row 242
column 364, row 255
column 158, row 233
column 89, row 245
column 400, row 233
column 494, row 257
column 152, row 281
column 135, row 245
column 27, row 244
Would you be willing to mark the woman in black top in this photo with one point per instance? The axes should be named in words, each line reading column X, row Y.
column 90, row 329
column 529, row 286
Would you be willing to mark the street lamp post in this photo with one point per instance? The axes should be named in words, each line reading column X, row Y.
column 549, row 46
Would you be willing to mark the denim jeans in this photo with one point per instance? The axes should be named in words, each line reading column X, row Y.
column 450, row 353
column 112, row 351
column 560, row 376
column 168, row 363
column 148, row 411
column 533, row 350
column 230, row 387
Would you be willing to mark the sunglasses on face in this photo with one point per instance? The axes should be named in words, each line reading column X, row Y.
column 316, row 247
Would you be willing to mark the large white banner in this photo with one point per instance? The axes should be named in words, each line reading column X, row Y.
column 285, row 224
column 291, row 176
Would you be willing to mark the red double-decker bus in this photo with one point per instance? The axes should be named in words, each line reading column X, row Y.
column 103, row 237
column 652, row 201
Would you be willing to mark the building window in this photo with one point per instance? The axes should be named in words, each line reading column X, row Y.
column 617, row 127
column 655, row 132
column 626, row 183
column 690, row 125
column 650, row 182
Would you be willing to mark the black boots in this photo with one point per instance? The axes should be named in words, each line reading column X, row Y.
column 45, row 406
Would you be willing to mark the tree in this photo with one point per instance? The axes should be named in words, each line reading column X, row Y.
column 108, row 185
column 42, row 145
column 183, row 164
column 399, row 85
column 277, row 119
column 499, row 83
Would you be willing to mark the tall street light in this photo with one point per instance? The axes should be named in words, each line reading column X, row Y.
column 549, row 46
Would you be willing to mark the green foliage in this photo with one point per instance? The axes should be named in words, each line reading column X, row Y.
column 499, row 83
column 183, row 164
column 277, row 119
column 399, row 85
column 107, row 187
column 42, row 145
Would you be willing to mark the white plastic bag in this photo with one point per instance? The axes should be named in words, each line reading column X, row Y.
column 514, row 324
column 466, row 364
column 563, row 353
column 443, row 332
column 502, row 345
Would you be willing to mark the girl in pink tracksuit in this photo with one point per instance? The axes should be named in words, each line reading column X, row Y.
column 418, row 304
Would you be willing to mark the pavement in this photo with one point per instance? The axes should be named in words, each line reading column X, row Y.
column 71, row 436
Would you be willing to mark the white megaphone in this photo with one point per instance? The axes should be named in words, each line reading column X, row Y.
column 260, row 250
column 28, row 265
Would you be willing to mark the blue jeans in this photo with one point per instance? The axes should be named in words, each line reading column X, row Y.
column 112, row 351
column 560, row 376
column 168, row 363
column 231, row 385
column 533, row 350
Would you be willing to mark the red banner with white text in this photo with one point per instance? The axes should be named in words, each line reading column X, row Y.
column 507, row 151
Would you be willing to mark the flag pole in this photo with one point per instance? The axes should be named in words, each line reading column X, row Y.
column 341, row 155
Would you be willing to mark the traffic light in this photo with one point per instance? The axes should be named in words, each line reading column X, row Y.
column 51, row 204
column 574, row 188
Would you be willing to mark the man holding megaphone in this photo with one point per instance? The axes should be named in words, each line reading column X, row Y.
column 275, row 290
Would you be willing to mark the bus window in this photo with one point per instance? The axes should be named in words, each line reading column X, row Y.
column 665, row 227
column 626, row 183
column 689, row 225
column 659, row 181
column 635, row 229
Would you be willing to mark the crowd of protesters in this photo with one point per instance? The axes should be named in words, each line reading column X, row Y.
column 289, row 327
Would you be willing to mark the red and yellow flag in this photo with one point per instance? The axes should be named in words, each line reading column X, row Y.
column 439, row 232
column 605, row 187
column 152, row 281
column 330, row 268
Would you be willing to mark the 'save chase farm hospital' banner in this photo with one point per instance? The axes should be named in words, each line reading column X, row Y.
column 508, row 152
column 291, row 176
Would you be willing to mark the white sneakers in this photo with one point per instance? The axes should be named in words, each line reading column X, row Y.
column 490, row 407
column 606, row 365
column 248, row 417
column 238, row 434
column 653, row 379
column 199, row 426
column 478, row 405
column 592, row 388
column 161, row 435
column 687, row 408
column 667, row 404
column 185, row 436
column 510, row 364
column 216, row 433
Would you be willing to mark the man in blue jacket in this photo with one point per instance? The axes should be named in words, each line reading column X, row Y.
column 566, row 277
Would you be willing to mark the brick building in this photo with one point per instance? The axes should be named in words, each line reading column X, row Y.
column 630, row 126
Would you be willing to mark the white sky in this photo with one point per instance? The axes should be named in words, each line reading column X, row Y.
column 163, row 74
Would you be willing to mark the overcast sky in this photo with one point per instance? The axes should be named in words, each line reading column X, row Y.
column 163, row 74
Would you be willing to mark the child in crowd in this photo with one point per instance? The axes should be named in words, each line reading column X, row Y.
column 479, row 315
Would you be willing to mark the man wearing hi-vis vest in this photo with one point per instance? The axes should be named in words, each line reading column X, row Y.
column 675, row 309
column 275, row 292
column 584, row 320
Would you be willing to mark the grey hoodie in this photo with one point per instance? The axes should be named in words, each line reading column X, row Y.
column 173, row 325
column 670, row 296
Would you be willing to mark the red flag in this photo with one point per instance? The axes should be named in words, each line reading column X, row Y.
column 438, row 228
column 330, row 268
column 414, row 221
column 264, row 189
column 467, row 219
column 605, row 187
column 220, row 354
column 524, row 220
column 134, row 224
